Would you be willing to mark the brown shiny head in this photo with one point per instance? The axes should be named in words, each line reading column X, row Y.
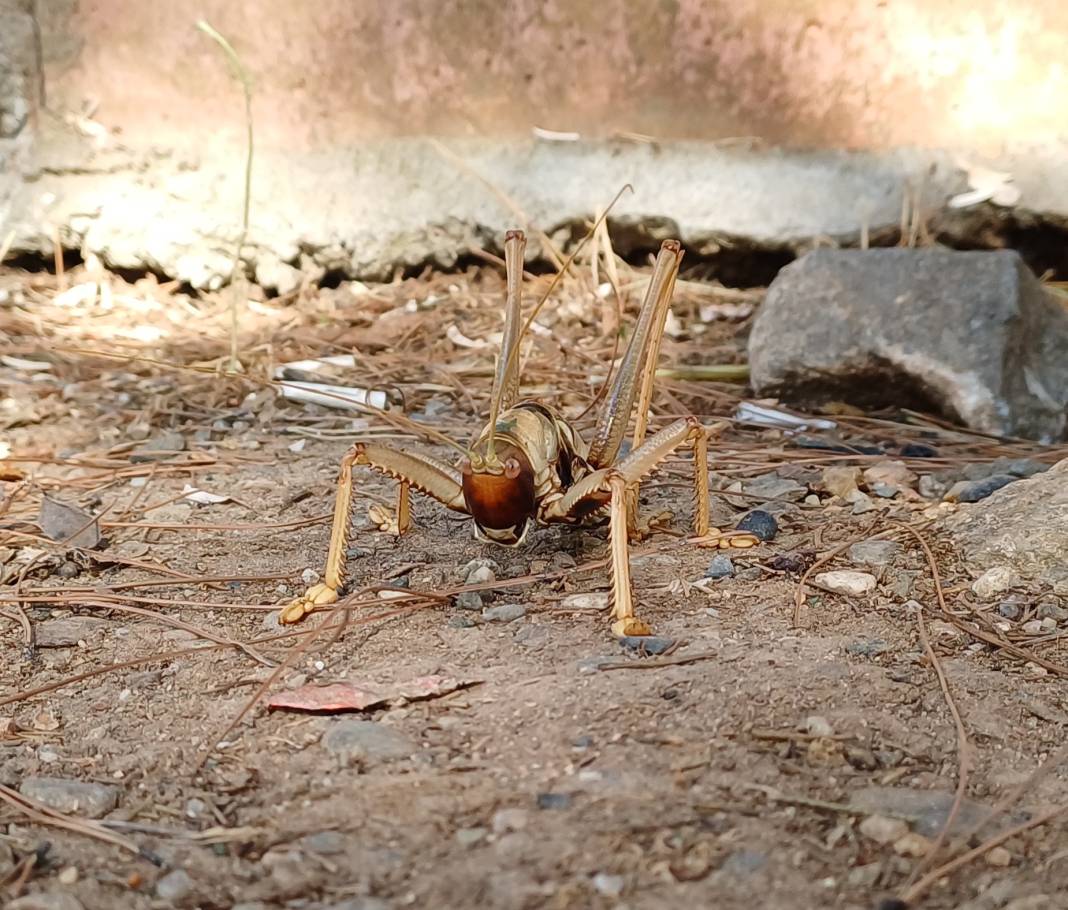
column 500, row 498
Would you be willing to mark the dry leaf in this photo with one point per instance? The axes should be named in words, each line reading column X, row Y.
column 432, row 687
column 329, row 699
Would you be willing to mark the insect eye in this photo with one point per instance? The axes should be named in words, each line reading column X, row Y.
column 511, row 468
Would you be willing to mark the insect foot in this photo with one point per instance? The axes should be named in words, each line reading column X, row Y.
column 316, row 596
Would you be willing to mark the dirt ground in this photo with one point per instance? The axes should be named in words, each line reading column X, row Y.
column 736, row 770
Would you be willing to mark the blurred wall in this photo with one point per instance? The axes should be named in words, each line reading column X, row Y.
column 131, row 88
column 827, row 73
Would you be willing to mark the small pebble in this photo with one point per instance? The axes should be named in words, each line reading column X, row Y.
column 73, row 797
column 773, row 486
column 931, row 487
column 68, row 875
column 981, row 489
column 593, row 602
column 554, row 800
column 994, row 581
column 492, row 565
column 469, row 600
column 874, row 552
column 760, row 524
column 174, row 886
column 367, row 738
column 532, row 636
column 1050, row 610
column 843, row 581
column 648, row 644
column 999, row 857
column 918, row 450
column 720, row 567
column 884, row 490
column 912, row 844
column 608, row 885
column 946, row 632
column 883, row 830
column 460, row 622
column 309, row 577
column 68, row 569
column 471, row 837
column 862, row 504
column 861, row 759
column 504, row 613
column 867, row 647
column 162, row 447
column 1009, row 609
column 818, row 726
column 481, row 575
column 510, row 819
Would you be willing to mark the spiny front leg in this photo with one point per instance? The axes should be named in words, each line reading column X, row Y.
column 420, row 472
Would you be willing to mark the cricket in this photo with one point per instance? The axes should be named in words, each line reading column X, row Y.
column 530, row 466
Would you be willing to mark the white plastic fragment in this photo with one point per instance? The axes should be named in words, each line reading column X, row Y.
column 762, row 416
column 346, row 398
column 202, row 497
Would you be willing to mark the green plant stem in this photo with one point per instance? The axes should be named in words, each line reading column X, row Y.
column 716, row 372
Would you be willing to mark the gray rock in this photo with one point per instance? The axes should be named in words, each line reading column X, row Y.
column 271, row 272
column 504, row 613
column 874, row 552
column 325, row 843
column 368, row 739
column 772, row 486
column 1023, row 526
column 745, row 862
column 175, row 886
column 73, row 797
column 720, row 567
column 931, row 487
column 1049, row 609
column 67, row 631
column 1009, row 609
column 68, row 523
column 532, row 636
column 760, row 523
column 867, row 647
column 159, row 448
column 972, row 333
column 980, row 489
column 608, row 885
column 469, row 600
column 928, row 810
column 646, row 644
column 461, row 622
column 46, row 900
column 471, row 837
column 554, row 800
column 510, row 819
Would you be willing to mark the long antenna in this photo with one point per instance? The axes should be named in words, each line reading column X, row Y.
column 510, row 363
column 505, row 383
